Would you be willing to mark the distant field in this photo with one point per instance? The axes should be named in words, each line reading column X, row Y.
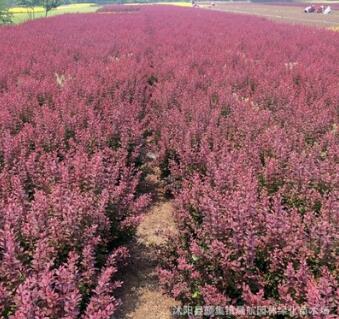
column 284, row 13
column 180, row 4
column 23, row 14
column 333, row 4
column 177, row 3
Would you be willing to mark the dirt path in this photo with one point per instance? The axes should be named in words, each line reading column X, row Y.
column 141, row 294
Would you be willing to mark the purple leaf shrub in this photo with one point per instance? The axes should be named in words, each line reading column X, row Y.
column 71, row 139
column 246, row 134
column 240, row 115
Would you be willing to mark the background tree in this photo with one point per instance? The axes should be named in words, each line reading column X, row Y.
column 30, row 5
column 5, row 16
column 50, row 4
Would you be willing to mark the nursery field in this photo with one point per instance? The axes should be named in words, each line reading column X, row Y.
column 289, row 12
column 156, row 156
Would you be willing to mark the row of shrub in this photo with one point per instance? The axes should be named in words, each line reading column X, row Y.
column 71, row 139
column 244, row 120
column 115, row 8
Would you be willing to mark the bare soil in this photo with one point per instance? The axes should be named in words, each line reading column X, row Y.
column 141, row 294
column 294, row 15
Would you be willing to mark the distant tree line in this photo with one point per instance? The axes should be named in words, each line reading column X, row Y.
column 150, row 1
column 48, row 5
column 5, row 16
column 131, row 1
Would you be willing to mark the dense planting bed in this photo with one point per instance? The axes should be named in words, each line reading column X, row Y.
column 119, row 8
column 239, row 114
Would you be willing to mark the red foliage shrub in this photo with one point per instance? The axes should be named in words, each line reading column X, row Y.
column 245, row 122
column 115, row 8
column 71, row 138
column 241, row 115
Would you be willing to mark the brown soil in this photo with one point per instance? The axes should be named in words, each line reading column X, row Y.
column 141, row 294
column 294, row 15
column 156, row 224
